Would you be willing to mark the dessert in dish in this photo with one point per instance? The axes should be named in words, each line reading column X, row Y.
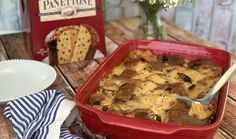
column 71, row 44
column 145, row 86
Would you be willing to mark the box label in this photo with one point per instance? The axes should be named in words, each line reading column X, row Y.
column 51, row 10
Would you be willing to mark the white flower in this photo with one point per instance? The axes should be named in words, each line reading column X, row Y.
column 152, row 2
column 149, row 1
column 174, row 3
column 166, row 4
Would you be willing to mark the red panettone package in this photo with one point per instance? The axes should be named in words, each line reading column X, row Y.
column 63, row 31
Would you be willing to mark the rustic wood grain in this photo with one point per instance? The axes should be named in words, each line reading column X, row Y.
column 221, row 134
column 232, row 88
column 184, row 36
column 6, row 130
column 14, row 46
column 61, row 85
column 117, row 32
column 130, row 24
column 77, row 72
column 229, row 119
column 3, row 55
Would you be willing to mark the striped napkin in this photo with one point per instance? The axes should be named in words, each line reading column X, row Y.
column 40, row 116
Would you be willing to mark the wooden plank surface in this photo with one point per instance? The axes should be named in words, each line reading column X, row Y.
column 61, row 85
column 76, row 73
column 6, row 129
column 232, row 89
column 71, row 76
column 14, row 46
column 229, row 119
column 3, row 55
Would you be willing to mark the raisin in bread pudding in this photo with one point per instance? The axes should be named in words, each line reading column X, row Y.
column 145, row 86
column 71, row 44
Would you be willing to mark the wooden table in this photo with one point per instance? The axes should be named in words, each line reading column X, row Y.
column 70, row 76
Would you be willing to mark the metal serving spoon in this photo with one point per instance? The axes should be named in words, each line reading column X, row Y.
column 208, row 97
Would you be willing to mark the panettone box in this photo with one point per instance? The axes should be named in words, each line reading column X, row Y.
column 63, row 31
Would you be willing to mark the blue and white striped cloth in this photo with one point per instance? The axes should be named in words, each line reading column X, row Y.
column 40, row 116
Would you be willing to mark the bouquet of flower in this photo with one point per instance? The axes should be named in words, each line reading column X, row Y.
column 164, row 4
column 150, row 8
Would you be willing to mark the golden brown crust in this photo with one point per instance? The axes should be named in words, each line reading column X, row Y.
column 52, row 53
column 94, row 42
column 141, row 89
column 51, row 44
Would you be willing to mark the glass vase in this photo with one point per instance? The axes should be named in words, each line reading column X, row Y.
column 150, row 26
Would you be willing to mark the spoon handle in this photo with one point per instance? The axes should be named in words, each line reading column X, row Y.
column 226, row 77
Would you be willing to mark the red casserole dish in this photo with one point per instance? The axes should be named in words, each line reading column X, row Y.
column 120, row 127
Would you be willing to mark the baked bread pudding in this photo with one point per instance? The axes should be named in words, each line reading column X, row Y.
column 145, row 86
